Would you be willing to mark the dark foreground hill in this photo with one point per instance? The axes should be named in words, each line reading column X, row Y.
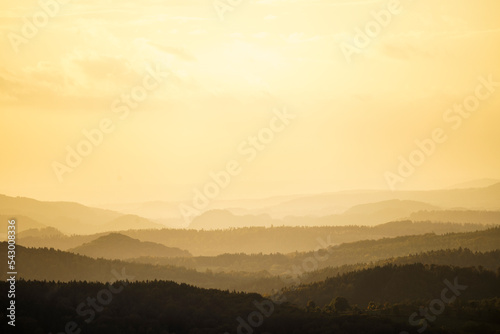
column 398, row 283
column 166, row 307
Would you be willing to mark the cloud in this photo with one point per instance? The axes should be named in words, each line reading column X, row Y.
column 300, row 37
column 78, row 79
column 198, row 32
column 97, row 66
column 261, row 35
column 180, row 53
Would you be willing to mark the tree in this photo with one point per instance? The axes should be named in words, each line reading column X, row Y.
column 340, row 304
column 311, row 306
column 372, row 306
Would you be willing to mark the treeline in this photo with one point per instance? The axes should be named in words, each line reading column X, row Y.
column 365, row 251
column 396, row 284
column 462, row 257
column 258, row 239
column 56, row 265
column 376, row 250
column 458, row 216
column 50, row 264
column 470, row 316
column 166, row 307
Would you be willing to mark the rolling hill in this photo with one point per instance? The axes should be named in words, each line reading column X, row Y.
column 120, row 247
column 458, row 216
column 396, row 283
column 368, row 214
column 68, row 217
column 54, row 265
column 331, row 203
column 353, row 253
column 166, row 307
column 250, row 240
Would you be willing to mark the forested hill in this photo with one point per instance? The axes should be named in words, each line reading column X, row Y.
column 50, row 264
column 375, row 250
column 120, row 247
column 166, row 307
column 462, row 257
column 397, row 283
column 349, row 253
column 278, row 239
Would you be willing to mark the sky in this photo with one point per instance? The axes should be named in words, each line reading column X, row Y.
column 119, row 101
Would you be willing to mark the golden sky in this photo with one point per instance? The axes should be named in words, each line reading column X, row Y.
column 217, row 83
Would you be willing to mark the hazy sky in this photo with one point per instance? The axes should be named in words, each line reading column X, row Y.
column 216, row 82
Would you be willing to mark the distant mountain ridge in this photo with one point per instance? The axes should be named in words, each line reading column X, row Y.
column 368, row 214
column 355, row 207
column 279, row 239
column 481, row 183
column 330, row 203
column 68, row 217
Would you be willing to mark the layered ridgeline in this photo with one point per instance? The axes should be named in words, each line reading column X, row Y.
column 344, row 254
column 478, row 196
column 67, row 217
column 55, row 265
column 166, row 307
column 462, row 257
column 368, row 214
column 253, row 239
column 363, row 214
column 260, row 272
column 474, row 198
column 343, row 208
column 397, row 283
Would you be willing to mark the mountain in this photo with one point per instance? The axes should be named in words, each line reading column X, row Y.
column 54, row 265
column 458, row 216
column 23, row 223
column 396, row 283
column 120, row 247
column 401, row 207
column 151, row 210
column 373, row 213
column 130, row 222
column 68, row 217
column 240, row 271
column 277, row 239
column 366, row 251
column 481, row 183
column 335, row 203
column 168, row 214
column 351, row 253
column 363, row 214
column 461, row 257
column 166, row 307
column 399, row 204
column 47, row 232
column 222, row 219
